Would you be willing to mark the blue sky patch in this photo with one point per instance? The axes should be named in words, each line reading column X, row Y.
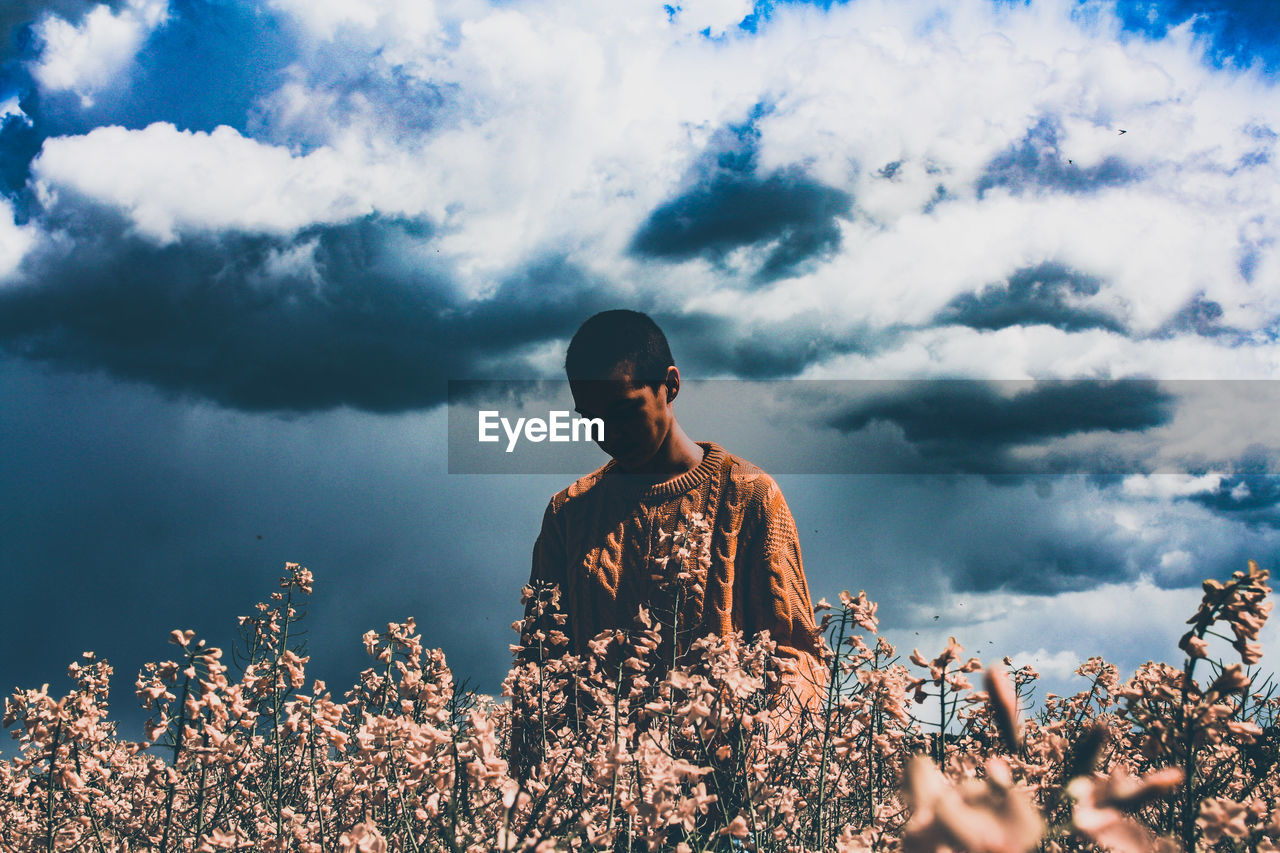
column 1238, row 32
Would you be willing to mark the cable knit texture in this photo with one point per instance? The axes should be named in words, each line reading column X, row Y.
column 601, row 536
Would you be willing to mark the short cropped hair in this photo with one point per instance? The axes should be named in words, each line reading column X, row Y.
column 619, row 337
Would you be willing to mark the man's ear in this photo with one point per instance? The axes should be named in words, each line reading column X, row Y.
column 672, row 383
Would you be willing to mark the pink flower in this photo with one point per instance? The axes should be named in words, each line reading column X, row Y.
column 1004, row 705
column 362, row 838
column 737, row 828
column 988, row 815
column 1101, row 802
column 1223, row 818
column 1196, row 647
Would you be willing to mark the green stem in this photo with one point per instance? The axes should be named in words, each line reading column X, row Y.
column 278, row 694
column 942, row 721
column 613, row 787
column 315, row 785
column 826, row 733
column 53, row 763
column 93, row 816
column 178, row 737
column 204, row 769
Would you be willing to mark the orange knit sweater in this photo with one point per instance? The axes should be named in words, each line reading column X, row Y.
column 604, row 538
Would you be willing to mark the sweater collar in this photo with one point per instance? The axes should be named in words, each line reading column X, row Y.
column 712, row 457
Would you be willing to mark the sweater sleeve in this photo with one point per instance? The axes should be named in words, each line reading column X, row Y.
column 779, row 598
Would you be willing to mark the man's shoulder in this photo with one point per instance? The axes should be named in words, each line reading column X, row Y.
column 747, row 482
column 578, row 490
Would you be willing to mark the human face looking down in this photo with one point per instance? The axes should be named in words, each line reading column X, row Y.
column 638, row 418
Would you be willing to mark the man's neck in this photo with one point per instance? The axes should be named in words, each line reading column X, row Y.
column 678, row 455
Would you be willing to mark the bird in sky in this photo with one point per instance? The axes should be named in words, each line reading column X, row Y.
column 1123, row 132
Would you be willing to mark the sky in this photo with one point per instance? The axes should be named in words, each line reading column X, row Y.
column 1021, row 254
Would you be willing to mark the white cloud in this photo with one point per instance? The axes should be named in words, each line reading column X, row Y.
column 400, row 32
column 919, row 546
column 11, row 107
column 1124, row 623
column 325, row 18
column 296, row 262
column 1060, row 665
column 712, row 16
column 170, row 181
column 557, row 127
column 15, row 241
column 87, row 57
column 1046, row 352
column 1176, row 559
column 1165, row 486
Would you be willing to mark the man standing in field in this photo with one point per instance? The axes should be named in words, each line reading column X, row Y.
column 606, row 540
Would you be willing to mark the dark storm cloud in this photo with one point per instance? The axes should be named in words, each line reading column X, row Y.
column 906, row 539
column 1251, row 497
column 1047, row 559
column 1042, row 564
column 739, row 210
column 969, row 426
column 233, row 320
column 1200, row 316
column 729, row 205
column 705, row 344
column 1039, row 295
column 127, row 515
column 20, row 142
column 1039, row 162
column 1250, row 493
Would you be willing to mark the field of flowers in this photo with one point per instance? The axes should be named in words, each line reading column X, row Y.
column 642, row 744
